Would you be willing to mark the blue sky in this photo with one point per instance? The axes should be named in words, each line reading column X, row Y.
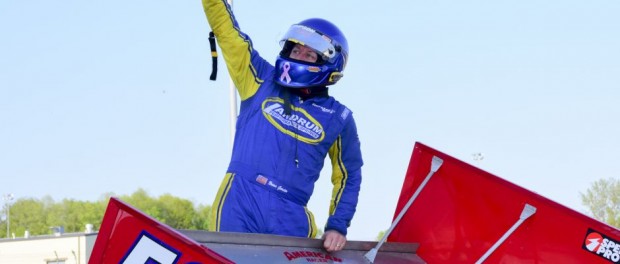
column 113, row 96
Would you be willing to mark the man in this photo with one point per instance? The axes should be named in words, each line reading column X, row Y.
column 286, row 127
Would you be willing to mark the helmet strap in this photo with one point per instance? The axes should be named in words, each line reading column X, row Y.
column 213, row 56
column 287, row 100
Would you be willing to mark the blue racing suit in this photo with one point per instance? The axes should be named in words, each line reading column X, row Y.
column 277, row 156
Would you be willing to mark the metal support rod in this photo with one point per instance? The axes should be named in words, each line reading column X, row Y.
column 7, row 202
column 528, row 211
column 435, row 165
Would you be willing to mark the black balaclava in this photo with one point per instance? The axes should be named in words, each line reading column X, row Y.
column 303, row 93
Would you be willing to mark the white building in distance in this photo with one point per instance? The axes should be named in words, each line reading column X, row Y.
column 68, row 248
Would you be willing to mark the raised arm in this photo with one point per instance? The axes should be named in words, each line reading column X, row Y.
column 243, row 62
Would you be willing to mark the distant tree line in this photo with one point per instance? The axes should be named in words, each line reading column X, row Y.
column 42, row 216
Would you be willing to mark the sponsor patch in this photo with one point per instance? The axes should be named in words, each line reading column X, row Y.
column 602, row 246
column 298, row 124
column 314, row 69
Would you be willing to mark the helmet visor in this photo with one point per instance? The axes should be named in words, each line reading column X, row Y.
column 308, row 37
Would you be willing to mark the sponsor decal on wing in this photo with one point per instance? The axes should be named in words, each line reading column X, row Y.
column 602, row 246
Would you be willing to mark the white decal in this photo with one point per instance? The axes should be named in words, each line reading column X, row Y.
column 331, row 111
column 345, row 113
column 147, row 250
column 281, row 189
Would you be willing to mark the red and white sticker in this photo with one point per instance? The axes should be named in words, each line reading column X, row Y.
column 602, row 246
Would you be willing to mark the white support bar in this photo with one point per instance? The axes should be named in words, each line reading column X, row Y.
column 435, row 165
column 528, row 211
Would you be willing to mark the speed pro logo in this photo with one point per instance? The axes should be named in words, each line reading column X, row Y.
column 602, row 246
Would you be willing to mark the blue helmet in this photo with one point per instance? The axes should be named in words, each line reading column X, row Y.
column 326, row 40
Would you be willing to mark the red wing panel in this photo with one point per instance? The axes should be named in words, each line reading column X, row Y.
column 128, row 236
column 463, row 211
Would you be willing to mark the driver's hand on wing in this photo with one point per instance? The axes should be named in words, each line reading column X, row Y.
column 333, row 241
